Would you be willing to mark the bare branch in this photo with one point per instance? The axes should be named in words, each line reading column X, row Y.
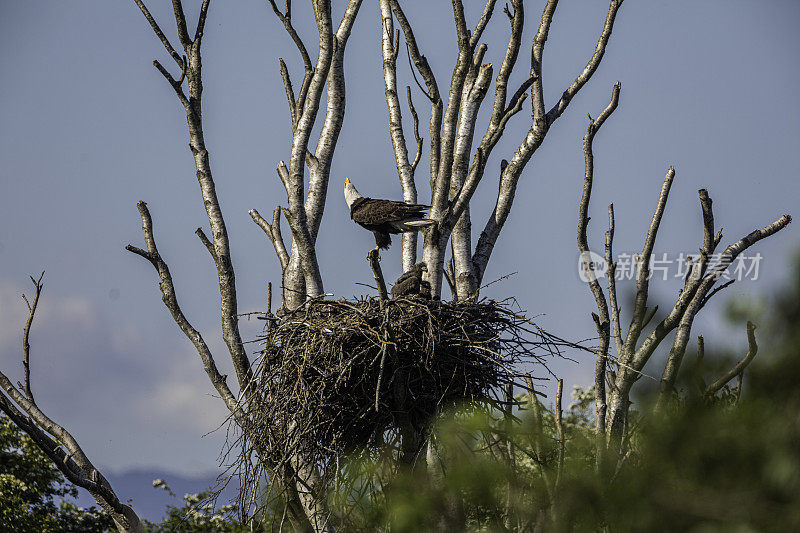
column 709, row 240
column 414, row 74
column 591, row 66
column 286, row 19
column 533, row 139
column 643, row 265
column 377, row 273
column 440, row 186
column 733, row 251
column 520, row 94
column 419, row 139
column 682, row 314
column 694, row 278
column 171, row 302
column 560, row 432
column 283, row 174
column 287, row 85
column 331, row 126
column 482, row 22
column 304, row 213
column 312, row 163
column 611, row 266
column 591, row 130
column 26, row 345
column 740, row 367
column 303, row 250
column 201, row 21
column 701, row 352
column 176, row 84
column 500, row 116
column 649, row 316
column 537, row 50
column 160, row 34
column 206, row 242
column 450, row 275
column 273, row 231
column 507, row 66
column 684, row 327
column 715, row 291
column 461, row 238
column 180, row 19
column 86, row 477
column 75, row 466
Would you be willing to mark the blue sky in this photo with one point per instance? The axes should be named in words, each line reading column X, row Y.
column 89, row 127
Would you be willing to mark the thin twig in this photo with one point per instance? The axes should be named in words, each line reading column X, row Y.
column 26, row 346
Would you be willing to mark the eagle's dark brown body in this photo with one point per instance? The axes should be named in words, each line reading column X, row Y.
column 412, row 284
column 386, row 217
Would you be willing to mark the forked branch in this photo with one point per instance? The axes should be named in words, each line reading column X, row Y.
column 170, row 299
column 273, row 231
column 602, row 320
column 54, row 440
column 740, row 367
column 26, row 345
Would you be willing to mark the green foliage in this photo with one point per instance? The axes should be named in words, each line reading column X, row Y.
column 32, row 490
column 197, row 514
column 699, row 467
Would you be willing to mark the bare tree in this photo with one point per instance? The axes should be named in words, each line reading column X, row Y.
column 456, row 169
column 301, row 275
column 19, row 404
column 635, row 349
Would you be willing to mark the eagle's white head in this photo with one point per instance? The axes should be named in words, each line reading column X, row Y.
column 350, row 193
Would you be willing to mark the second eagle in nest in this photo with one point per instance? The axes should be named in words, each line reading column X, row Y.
column 412, row 284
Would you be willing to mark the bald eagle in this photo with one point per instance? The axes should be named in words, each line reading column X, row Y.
column 411, row 283
column 384, row 217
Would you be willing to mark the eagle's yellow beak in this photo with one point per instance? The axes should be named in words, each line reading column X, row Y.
column 346, row 181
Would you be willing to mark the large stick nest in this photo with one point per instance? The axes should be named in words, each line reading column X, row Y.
column 338, row 374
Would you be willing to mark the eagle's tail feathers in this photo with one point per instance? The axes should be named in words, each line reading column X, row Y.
column 421, row 223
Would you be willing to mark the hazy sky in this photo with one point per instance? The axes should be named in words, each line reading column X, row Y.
column 89, row 127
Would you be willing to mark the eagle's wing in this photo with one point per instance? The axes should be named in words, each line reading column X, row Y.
column 406, row 286
column 406, row 276
column 373, row 211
